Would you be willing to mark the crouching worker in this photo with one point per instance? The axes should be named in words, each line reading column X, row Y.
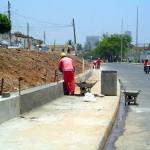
column 67, row 67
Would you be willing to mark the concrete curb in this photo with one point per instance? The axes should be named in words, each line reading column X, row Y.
column 29, row 99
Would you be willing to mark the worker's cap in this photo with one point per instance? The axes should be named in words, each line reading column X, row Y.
column 62, row 55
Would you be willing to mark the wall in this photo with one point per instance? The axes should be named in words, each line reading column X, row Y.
column 29, row 99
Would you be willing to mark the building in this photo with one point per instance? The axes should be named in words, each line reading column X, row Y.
column 127, row 33
column 144, row 51
column 62, row 48
column 91, row 41
column 140, row 52
column 18, row 38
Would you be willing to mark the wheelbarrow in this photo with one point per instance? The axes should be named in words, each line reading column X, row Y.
column 85, row 87
column 131, row 96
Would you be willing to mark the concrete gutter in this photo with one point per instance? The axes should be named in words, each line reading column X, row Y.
column 29, row 99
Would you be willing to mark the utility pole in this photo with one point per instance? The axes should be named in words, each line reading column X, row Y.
column 121, row 38
column 54, row 44
column 74, row 31
column 28, row 35
column 44, row 37
column 137, row 52
column 9, row 16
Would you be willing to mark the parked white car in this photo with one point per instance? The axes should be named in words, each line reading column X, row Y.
column 4, row 44
column 13, row 45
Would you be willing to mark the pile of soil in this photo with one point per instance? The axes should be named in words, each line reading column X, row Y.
column 32, row 68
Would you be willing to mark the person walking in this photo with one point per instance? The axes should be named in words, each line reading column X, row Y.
column 98, row 63
column 67, row 67
column 94, row 64
column 146, row 64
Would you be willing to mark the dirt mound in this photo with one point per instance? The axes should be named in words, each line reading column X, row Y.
column 33, row 66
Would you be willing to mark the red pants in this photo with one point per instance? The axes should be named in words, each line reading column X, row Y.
column 69, row 82
column 98, row 66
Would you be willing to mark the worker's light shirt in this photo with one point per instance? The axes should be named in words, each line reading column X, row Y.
column 66, row 64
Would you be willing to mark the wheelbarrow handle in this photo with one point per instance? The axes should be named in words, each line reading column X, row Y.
column 139, row 91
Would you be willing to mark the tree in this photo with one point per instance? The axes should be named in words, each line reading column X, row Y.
column 39, row 41
column 69, row 42
column 5, row 24
column 110, row 47
column 18, row 33
column 79, row 47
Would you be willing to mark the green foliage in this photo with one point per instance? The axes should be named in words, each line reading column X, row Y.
column 39, row 41
column 17, row 32
column 79, row 47
column 69, row 42
column 5, row 24
column 110, row 47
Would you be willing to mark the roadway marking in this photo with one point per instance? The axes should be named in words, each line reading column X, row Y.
column 140, row 110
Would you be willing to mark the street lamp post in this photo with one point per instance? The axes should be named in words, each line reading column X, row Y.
column 54, row 44
column 121, row 39
column 75, row 46
column 121, row 47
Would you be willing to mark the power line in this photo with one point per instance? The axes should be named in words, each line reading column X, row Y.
column 45, row 27
column 52, row 26
column 39, row 37
column 4, row 12
column 55, row 24
column 5, row 7
column 40, row 28
column 36, row 35
column 9, row 16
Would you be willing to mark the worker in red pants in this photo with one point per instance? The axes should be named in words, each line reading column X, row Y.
column 98, row 63
column 67, row 67
column 94, row 64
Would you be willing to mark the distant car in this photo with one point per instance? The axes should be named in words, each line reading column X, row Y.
column 89, row 60
column 4, row 44
column 13, row 45
column 43, row 47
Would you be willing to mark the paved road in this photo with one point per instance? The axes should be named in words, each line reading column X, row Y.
column 136, row 132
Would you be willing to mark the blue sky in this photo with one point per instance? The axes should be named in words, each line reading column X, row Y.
column 92, row 18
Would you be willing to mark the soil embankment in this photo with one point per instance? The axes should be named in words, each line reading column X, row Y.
column 33, row 66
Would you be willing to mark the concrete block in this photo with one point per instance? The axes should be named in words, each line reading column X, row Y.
column 9, row 108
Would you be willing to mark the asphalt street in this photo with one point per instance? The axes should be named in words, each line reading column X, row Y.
column 136, row 130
